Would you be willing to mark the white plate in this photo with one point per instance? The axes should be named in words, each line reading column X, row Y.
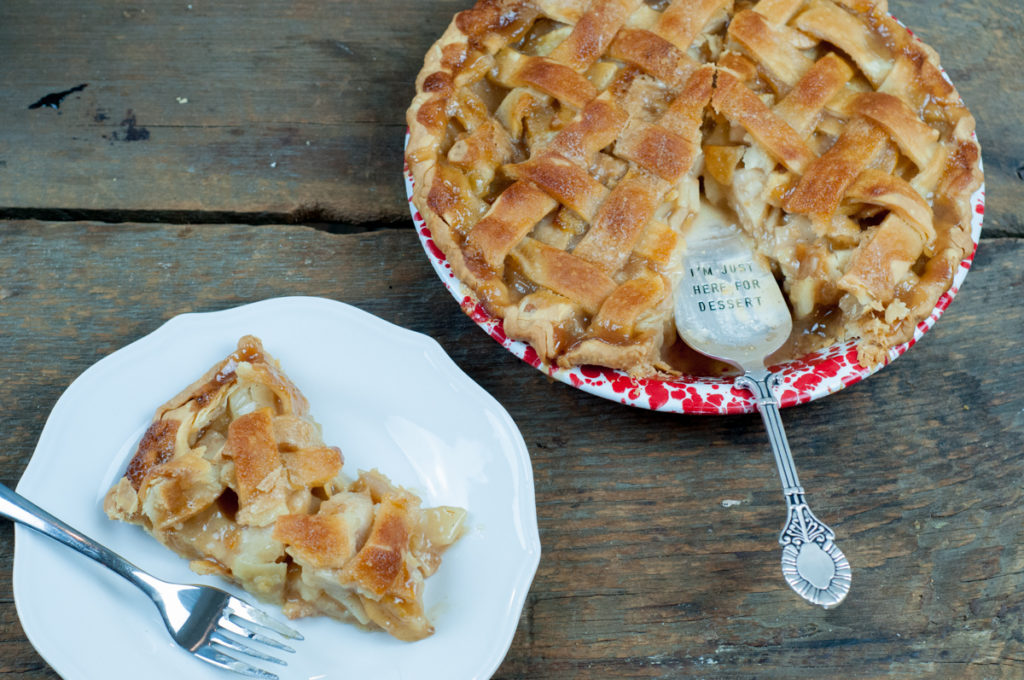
column 390, row 398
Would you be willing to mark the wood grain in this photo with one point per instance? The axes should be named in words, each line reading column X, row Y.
column 646, row 573
column 283, row 108
column 207, row 133
column 296, row 110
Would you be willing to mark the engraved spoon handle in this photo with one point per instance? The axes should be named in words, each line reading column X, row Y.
column 812, row 564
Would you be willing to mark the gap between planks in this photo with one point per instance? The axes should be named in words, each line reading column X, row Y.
column 314, row 218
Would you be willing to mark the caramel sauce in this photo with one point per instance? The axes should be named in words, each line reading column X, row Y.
column 529, row 42
column 227, row 503
column 490, row 93
column 497, row 188
column 518, row 283
column 224, row 376
column 809, row 334
column 687, row 361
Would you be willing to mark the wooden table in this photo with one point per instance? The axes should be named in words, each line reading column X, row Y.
column 222, row 153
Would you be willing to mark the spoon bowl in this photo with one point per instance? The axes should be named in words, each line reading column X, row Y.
column 728, row 305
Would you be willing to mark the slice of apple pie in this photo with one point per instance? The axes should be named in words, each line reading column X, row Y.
column 234, row 475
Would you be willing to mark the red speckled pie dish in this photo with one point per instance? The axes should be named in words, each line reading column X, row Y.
column 813, row 376
column 810, row 91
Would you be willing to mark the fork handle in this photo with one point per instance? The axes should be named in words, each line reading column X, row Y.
column 17, row 508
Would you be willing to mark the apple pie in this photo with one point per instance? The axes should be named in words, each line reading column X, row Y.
column 233, row 475
column 562, row 150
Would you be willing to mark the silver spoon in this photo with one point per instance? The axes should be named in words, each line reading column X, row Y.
column 728, row 306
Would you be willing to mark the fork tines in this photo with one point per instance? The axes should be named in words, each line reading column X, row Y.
column 245, row 612
column 210, row 654
column 239, row 623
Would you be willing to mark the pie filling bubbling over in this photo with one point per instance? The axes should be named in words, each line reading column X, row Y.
column 561, row 150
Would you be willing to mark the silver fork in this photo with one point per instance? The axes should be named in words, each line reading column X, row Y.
column 203, row 620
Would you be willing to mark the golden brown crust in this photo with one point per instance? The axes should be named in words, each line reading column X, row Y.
column 156, row 448
column 251, row 445
column 744, row 108
column 558, row 149
column 321, row 541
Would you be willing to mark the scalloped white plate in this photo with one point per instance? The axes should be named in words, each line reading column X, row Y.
column 389, row 397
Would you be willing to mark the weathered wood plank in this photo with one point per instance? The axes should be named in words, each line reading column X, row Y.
column 980, row 44
column 298, row 109
column 231, row 106
column 645, row 572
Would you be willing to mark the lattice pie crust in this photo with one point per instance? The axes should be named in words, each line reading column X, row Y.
column 562, row 149
column 233, row 474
